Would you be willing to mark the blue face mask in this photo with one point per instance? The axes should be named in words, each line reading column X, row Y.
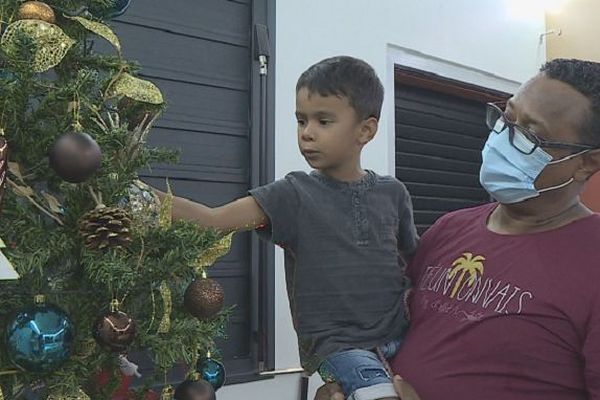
column 508, row 175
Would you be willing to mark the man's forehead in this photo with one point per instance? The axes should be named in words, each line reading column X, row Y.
column 549, row 99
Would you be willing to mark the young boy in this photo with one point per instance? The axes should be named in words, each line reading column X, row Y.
column 345, row 231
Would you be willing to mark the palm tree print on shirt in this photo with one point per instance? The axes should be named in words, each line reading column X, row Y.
column 466, row 264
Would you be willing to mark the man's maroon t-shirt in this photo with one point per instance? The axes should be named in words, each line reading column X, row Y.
column 504, row 317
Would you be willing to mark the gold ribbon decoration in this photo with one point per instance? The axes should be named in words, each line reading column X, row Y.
column 46, row 43
column 137, row 89
column 165, row 215
column 165, row 322
column 75, row 395
column 212, row 254
column 99, row 29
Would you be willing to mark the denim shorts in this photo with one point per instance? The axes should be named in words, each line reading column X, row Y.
column 361, row 373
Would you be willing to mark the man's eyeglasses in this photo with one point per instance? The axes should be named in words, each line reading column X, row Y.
column 523, row 139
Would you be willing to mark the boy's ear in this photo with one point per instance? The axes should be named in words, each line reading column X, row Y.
column 368, row 130
column 590, row 165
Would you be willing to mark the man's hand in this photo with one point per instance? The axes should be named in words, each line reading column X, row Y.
column 404, row 389
column 333, row 391
column 330, row 391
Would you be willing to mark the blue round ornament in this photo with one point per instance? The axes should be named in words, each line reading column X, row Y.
column 118, row 8
column 7, row 75
column 40, row 338
column 211, row 371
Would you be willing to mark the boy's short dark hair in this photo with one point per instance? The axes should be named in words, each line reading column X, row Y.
column 349, row 77
column 583, row 76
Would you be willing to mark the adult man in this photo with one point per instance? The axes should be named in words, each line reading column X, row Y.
column 505, row 302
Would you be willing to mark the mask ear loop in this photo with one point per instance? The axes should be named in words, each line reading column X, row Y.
column 555, row 187
column 567, row 183
column 570, row 157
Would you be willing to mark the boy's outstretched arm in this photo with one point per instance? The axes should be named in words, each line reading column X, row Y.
column 242, row 214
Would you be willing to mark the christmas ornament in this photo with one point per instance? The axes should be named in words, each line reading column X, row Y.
column 75, row 157
column 40, row 338
column 7, row 75
column 7, row 271
column 36, row 44
column 142, row 204
column 211, row 255
column 127, row 367
column 165, row 216
column 165, row 293
column 3, row 163
column 113, row 9
column 106, row 227
column 78, row 394
column 114, row 330
column 36, row 10
column 195, row 390
column 100, row 30
column 204, row 298
column 167, row 393
column 136, row 89
column 134, row 112
column 212, row 371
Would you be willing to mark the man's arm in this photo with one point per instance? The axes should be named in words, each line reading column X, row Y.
column 242, row 214
column 591, row 353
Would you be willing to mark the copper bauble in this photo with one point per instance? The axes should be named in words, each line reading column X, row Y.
column 204, row 298
column 36, row 10
column 114, row 331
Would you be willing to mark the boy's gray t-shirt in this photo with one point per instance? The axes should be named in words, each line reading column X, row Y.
column 342, row 242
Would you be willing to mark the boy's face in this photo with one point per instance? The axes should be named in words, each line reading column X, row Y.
column 330, row 135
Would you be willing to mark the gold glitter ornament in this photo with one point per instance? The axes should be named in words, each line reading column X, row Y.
column 137, row 89
column 165, row 293
column 36, row 10
column 167, row 393
column 37, row 43
column 211, row 255
column 204, row 299
column 100, row 30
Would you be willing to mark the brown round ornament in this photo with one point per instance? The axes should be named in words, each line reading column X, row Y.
column 114, row 331
column 75, row 157
column 36, row 10
column 204, row 298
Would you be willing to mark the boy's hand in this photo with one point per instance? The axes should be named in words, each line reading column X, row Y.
column 333, row 391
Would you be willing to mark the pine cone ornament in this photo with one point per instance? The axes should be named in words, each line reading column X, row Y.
column 106, row 227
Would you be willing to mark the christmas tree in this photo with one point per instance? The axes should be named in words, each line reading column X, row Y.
column 91, row 266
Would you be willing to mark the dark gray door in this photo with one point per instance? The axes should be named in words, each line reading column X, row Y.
column 200, row 55
column 439, row 137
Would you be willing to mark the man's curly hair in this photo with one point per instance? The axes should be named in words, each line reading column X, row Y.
column 583, row 76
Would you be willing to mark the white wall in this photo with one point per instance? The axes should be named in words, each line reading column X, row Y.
column 473, row 40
